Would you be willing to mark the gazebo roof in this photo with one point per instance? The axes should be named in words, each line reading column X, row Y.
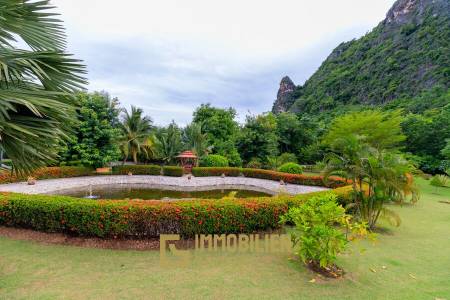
column 187, row 154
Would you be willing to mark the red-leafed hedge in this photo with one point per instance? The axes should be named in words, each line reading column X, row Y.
column 141, row 219
column 332, row 182
column 48, row 173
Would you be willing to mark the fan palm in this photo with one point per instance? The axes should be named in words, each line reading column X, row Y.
column 136, row 132
column 36, row 86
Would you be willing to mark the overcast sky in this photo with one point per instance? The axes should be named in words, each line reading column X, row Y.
column 170, row 56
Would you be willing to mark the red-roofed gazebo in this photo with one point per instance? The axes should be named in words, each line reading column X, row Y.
column 188, row 160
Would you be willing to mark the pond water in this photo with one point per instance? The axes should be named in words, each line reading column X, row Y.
column 136, row 192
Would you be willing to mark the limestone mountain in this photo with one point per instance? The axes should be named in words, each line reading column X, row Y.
column 405, row 56
column 284, row 96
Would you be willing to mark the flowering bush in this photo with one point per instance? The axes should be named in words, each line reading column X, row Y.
column 291, row 168
column 137, row 169
column 172, row 171
column 48, row 173
column 145, row 218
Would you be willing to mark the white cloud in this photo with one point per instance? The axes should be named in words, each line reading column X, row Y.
column 169, row 56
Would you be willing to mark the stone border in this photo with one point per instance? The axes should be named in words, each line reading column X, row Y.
column 50, row 186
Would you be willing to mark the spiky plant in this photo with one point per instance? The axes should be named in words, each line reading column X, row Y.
column 36, row 85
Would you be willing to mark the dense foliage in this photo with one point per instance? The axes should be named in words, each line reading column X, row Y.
column 174, row 171
column 258, row 138
column 214, row 160
column 95, row 142
column 222, row 130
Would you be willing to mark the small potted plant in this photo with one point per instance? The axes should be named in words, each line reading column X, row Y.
column 31, row 180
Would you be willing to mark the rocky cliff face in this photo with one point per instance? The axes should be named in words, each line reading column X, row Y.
column 405, row 55
column 284, row 96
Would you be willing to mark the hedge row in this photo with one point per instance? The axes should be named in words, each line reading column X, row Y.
column 172, row 171
column 205, row 171
column 141, row 219
column 332, row 182
column 48, row 173
column 137, row 170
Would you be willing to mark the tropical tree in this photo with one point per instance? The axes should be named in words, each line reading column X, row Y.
column 258, row 138
column 95, row 143
column 195, row 140
column 222, row 130
column 36, row 84
column 136, row 135
column 168, row 142
column 377, row 175
column 378, row 129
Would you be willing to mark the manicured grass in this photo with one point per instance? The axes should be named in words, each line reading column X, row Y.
column 416, row 257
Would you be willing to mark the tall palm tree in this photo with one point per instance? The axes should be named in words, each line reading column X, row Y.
column 136, row 131
column 36, row 85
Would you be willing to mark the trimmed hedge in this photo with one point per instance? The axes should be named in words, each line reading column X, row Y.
column 203, row 171
column 48, row 173
column 332, row 182
column 137, row 169
column 172, row 171
column 145, row 218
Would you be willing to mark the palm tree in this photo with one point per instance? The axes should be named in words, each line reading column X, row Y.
column 195, row 140
column 136, row 131
column 36, row 86
column 378, row 176
column 168, row 142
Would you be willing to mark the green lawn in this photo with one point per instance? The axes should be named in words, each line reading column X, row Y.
column 416, row 257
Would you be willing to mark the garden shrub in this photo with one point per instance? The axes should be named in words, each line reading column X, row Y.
column 137, row 169
column 145, row 218
column 48, row 173
column 174, row 171
column 228, row 171
column 214, row 160
column 318, row 239
column 291, row 168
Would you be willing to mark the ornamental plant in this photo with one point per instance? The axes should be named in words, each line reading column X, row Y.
column 291, row 168
column 316, row 236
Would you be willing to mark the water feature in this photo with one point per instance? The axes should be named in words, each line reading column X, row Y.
column 157, row 193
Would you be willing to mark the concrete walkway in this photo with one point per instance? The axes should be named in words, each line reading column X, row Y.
column 50, row 186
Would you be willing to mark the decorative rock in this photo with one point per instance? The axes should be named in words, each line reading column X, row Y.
column 31, row 180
